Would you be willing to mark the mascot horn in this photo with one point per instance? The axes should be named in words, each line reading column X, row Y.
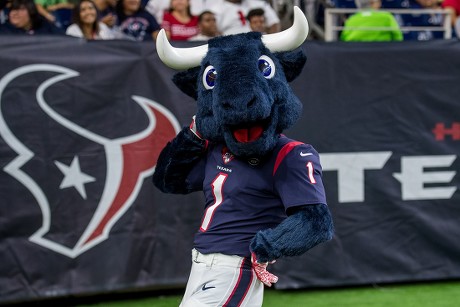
column 264, row 196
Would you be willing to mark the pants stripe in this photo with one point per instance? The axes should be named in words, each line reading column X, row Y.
column 242, row 285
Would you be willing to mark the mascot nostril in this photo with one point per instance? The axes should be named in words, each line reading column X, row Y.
column 251, row 103
column 226, row 105
column 264, row 196
column 243, row 107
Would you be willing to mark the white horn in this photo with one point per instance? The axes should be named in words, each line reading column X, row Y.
column 179, row 58
column 291, row 38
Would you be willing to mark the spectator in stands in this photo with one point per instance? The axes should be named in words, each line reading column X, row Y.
column 178, row 22
column 24, row 18
column 454, row 7
column 106, row 11
column 134, row 22
column 86, row 23
column 457, row 27
column 51, row 9
column 423, row 20
column 3, row 11
column 158, row 7
column 207, row 27
column 366, row 25
column 231, row 15
column 256, row 18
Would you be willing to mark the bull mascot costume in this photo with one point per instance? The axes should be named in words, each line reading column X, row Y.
column 263, row 191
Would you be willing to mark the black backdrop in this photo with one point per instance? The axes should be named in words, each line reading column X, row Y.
column 77, row 218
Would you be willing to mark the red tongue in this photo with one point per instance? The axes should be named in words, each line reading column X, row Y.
column 247, row 135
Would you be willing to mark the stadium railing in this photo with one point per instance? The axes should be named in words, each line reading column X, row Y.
column 334, row 18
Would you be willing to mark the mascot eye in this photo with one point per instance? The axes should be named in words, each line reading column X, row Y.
column 266, row 66
column 209, row 77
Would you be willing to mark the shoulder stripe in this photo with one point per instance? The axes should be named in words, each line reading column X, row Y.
column 283, row 153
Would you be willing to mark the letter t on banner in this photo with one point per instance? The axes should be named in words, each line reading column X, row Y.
column 350, row 169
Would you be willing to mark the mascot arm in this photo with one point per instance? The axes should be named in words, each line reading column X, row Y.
column 177, row 160
column 305, row 228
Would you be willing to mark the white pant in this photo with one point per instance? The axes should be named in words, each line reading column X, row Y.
column 222, row 280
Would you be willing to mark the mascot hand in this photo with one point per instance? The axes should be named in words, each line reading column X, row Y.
column 193, row 128
column 262, row 274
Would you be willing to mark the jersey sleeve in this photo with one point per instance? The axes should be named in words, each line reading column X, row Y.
column 153, row 22
column 74, row 30
column 396, row 31
column 298, row 177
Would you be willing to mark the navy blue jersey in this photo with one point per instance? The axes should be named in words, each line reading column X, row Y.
column 138, row 26
column 244, row 196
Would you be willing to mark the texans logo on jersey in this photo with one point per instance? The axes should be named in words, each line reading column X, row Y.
column 81, row 163
column 227, row 156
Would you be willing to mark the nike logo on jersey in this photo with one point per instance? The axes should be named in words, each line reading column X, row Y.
column 305, row 154
column 204, row 288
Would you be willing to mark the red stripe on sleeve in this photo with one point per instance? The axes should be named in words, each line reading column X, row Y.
column 283, row 153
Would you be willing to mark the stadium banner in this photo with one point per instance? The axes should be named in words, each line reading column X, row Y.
column 82, row 124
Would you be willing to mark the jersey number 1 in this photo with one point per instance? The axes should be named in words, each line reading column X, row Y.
column 310, row 173
column 217, row 187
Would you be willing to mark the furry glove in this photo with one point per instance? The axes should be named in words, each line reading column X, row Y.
column 177, row 159
column 304, row 229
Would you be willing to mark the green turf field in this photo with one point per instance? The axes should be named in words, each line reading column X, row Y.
column 440, row 294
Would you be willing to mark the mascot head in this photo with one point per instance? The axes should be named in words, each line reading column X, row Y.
column 241, row 85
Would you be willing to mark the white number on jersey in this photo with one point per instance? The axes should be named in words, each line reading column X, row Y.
column 217, row 187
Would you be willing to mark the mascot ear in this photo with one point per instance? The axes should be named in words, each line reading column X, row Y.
column 292, row 62
column 186, row 81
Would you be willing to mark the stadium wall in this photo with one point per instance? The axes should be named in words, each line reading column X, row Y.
column 81, row 125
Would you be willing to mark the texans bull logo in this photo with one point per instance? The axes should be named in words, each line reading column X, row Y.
column 82, row 181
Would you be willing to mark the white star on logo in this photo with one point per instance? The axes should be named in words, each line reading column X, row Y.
column 74, row 177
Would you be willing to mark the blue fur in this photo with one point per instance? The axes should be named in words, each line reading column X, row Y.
column 292, row 63
column 176, row 161
column 186, row 81
column 241, row 94
column 300, row 232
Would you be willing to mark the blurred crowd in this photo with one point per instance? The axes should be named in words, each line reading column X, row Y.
column 193, row 20
column 138, row 20
column 373, row 13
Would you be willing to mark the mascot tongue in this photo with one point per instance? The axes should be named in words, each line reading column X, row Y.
column 249, row 134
